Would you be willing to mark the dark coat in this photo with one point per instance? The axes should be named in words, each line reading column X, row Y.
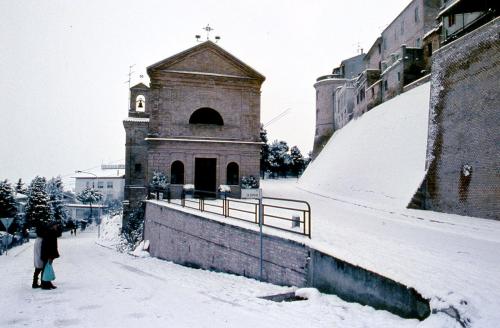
column 49, row 245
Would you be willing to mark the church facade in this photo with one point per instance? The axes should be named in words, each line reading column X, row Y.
column 198, row 123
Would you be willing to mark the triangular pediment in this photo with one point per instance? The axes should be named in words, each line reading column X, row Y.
column 140, row 86
column 207, row 58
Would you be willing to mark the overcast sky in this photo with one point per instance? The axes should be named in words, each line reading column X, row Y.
column 63, row 67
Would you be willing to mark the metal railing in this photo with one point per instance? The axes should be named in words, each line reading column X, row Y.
column 278, row 213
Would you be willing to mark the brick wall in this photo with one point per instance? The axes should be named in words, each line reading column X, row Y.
column 200, row 242
column 463, row 127
column 208, row 244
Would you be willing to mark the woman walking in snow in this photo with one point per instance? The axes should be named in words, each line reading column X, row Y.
column 37, row 255
column 49, row 251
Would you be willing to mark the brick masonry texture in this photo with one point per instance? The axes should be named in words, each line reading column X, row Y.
column 463, row 127
column 208, row 244
column 204, row 76
column 200, row 242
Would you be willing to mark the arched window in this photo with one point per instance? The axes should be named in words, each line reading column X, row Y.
column 177, row 173
column 233, row 174
column 140, row 103
column 206, row 115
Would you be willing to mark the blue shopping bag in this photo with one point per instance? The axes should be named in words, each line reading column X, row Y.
column 48, row 273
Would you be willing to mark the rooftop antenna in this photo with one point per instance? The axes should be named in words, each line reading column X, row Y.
column 359, row 50
column 130, row 72
column 277, row 117
column 207, row 29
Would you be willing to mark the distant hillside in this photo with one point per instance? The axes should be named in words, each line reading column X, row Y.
column 378, row 159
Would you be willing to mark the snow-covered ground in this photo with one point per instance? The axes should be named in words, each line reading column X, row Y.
column 358, row 188
column 379, row 158
column 100, row 287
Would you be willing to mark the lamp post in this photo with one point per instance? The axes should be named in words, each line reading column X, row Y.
column 98, row 214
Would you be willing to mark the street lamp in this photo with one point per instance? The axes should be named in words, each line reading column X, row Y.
column 98, row 214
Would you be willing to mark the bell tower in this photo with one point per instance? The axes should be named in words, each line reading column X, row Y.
column 136, row 148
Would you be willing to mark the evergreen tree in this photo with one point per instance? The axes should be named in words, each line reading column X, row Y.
column 55, row 191
column 132, row 231
column 20, row 188
column 89, row 196
column 264, row 151
column 307, row 160
column 159, row 180
column 279, row 159
column 297, row 161
column 38, row 210
column 249, row 182
column 7, row 202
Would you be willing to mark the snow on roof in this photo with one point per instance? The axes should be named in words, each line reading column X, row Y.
column 85, row 205
column 448, row 8
column 136, row 119
column 99, row 173
column 379, row 157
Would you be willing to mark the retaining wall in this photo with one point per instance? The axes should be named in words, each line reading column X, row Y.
column 201, row 242
column 464, row 143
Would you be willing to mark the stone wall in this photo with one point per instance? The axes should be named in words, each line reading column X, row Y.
column 136, row 159
column 464, row 142
column 325, row 100
column 162, row 154
column 200, row 242
column 208, row 244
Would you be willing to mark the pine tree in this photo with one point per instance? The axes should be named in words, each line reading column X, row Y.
column 20, row 188
column 7, row 202
column 89, row 196
column 298, row 163
column 38, row 210
column 55, row 191
column 132, row 231
column 279, row 159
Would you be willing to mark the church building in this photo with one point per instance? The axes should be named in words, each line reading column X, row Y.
column 198, row 123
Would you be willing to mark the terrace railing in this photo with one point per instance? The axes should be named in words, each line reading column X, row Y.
column 278, row 213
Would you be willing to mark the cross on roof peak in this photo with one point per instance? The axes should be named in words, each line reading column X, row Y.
column 207, row 29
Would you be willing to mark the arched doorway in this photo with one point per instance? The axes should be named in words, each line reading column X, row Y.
column 177, row 173
column 233, row 174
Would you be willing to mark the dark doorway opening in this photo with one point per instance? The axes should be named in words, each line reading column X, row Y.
column 205, row 170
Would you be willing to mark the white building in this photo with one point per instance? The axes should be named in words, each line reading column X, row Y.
column 108, row 179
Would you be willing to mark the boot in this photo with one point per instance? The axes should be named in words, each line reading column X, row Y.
column 45, row 285
column 35, row 283
column 35, row 278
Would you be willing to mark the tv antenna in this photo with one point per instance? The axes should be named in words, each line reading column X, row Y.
column 277, row 117
column 359, row 50
column 207, row 29
column 130, row 72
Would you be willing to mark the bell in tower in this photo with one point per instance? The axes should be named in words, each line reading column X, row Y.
column 140, row 103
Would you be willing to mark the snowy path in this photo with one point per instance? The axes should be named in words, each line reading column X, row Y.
column 453, row 260
column 99, row 287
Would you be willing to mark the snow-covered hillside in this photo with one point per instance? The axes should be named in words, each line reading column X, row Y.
column 379, row 158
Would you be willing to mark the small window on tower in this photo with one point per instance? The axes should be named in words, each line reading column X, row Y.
column 137, row 167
